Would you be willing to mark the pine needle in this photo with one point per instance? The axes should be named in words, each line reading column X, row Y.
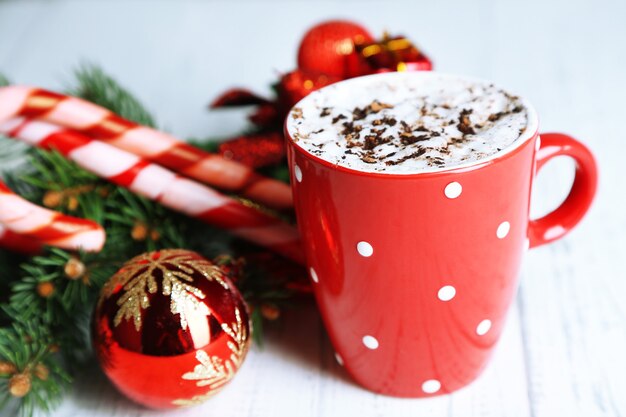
column 99, row 88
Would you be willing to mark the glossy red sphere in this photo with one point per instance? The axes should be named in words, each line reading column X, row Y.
column 170, row 329
column 329, row 48
column 295, row 85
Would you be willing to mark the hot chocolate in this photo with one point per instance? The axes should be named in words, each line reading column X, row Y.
column 399, row 124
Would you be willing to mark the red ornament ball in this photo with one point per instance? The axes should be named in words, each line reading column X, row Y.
column 329, row 48
column 170, row 329
column 296, row 85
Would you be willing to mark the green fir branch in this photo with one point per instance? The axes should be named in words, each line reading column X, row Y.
column 29, row 348
column 126, row 210
column 99, row 88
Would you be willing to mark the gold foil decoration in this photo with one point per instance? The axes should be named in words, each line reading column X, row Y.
column 400, row 48
column 213, row 371
column 137, row 279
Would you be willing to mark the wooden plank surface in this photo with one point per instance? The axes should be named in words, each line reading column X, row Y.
column 562, row 350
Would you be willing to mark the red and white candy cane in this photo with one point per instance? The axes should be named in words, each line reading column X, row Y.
column 166, row 150
column 18, row 243
column 46, row 226
column 159, row 184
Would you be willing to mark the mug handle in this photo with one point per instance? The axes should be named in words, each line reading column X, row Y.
column 559, row 222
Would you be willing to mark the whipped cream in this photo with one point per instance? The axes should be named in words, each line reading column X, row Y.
column 403, row 123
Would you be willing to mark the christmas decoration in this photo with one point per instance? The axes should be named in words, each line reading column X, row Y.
column 68, row 197
column 141, row 231
column 74, row 268
column 47, row 226
column 99, row 123
column 295, row 85
column 394, row 54
column 152, row 181
column 255, row 151
column 19, row 385
column 7, row 368
column 170, row 329
column 45, row 289
column 330, row 48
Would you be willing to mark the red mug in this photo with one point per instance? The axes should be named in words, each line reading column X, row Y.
column 414, row 273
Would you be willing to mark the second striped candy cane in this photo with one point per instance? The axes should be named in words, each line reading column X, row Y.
column 157, row 183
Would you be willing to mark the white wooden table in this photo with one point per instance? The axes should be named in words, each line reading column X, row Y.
column 562, row 353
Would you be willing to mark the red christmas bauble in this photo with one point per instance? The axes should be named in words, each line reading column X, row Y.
column 297, row 84
column 170, row 329
column 329, row 48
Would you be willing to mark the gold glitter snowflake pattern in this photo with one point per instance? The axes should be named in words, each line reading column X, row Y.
column 213, row 371
column 137, row 279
